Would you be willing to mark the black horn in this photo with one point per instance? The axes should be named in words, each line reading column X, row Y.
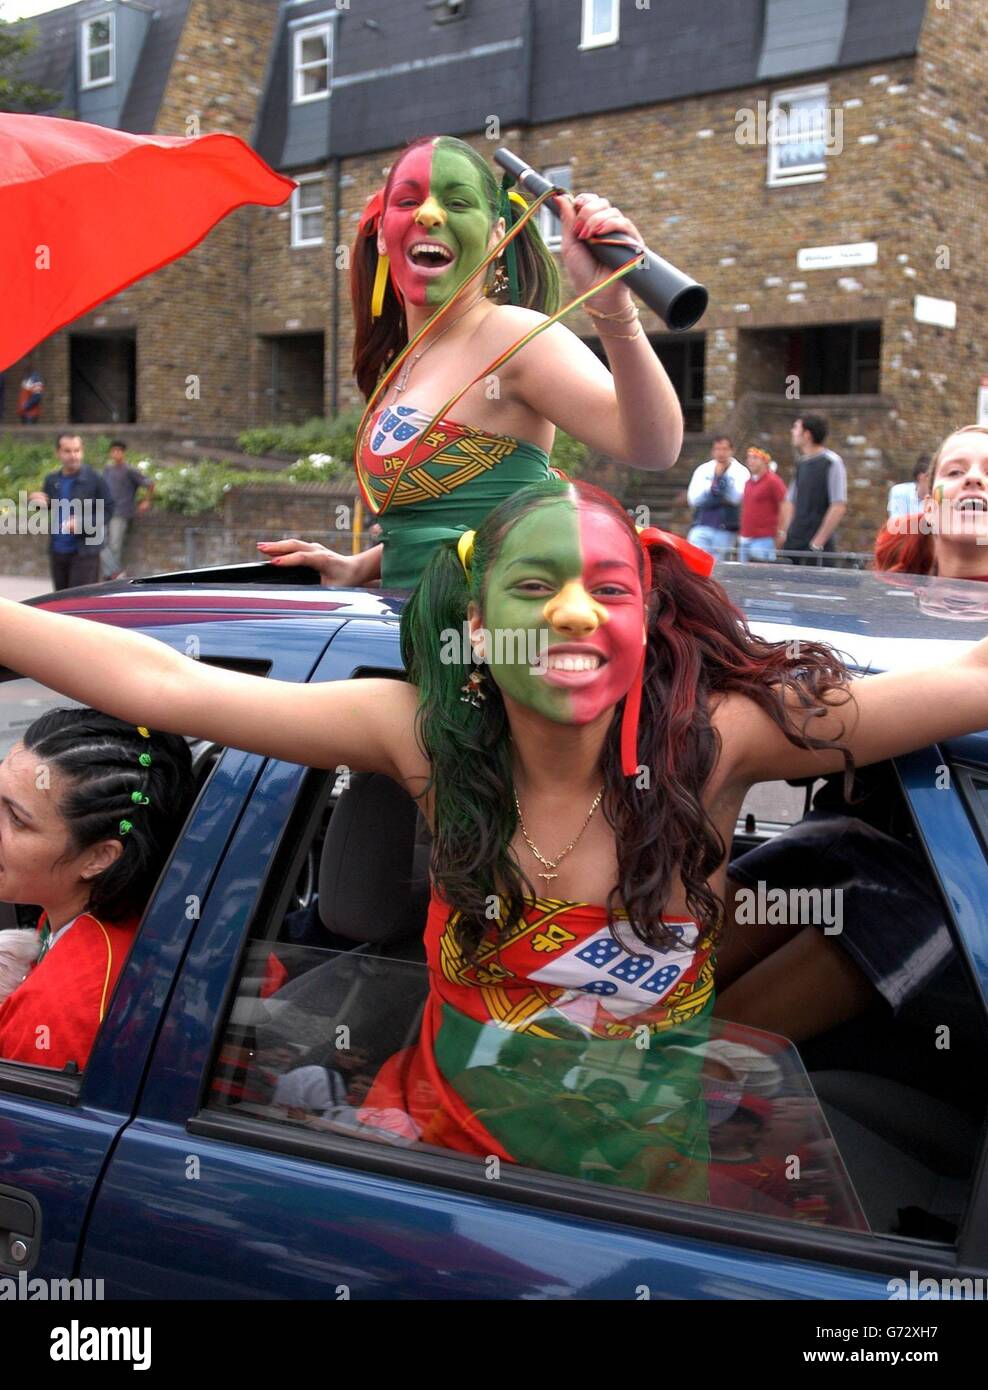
column 679, row 301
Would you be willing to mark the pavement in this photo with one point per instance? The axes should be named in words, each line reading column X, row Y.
column 18, row 586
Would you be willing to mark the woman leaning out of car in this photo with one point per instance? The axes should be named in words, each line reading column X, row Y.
column 949, row 537
column 654, row 703
column 89, row 810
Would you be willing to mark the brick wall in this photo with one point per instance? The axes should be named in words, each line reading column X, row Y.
column 161, row 541
column 192, row 316
column 909, row 176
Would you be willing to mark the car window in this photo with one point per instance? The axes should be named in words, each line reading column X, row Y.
column 771, row 806
column 856, row 1121
column 975, row 784
column 327, row 1041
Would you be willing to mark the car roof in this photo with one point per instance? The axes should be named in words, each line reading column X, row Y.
column 878, row 620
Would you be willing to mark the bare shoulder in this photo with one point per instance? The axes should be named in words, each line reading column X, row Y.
column 506, row 323
column 740, row 722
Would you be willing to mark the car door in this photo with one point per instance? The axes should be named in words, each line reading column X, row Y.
column 197, row 1202
column 57, row 1130
column 947, row 791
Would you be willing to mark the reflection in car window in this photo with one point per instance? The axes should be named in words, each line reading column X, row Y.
column 867, row 1125
column 714, row 1114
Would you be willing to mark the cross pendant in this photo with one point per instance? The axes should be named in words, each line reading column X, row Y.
column 548, row 877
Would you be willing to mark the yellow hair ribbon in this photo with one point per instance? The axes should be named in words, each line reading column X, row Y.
column 517, row 198
column 380, row 285
column 464, row 548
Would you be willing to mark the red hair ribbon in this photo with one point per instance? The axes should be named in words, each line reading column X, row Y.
column 370, row 222
column 370, row 218
column 699, row 562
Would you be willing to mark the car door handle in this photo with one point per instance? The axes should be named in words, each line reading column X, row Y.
column 20, row 1230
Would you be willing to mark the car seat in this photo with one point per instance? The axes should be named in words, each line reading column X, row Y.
column 374, row 892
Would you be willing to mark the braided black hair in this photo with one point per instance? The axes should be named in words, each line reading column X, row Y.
column 98, row 756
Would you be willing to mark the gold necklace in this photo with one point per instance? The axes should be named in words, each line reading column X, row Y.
column 402, row 379
column 553, row 864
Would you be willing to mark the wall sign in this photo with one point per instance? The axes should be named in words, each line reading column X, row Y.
column 835, row 257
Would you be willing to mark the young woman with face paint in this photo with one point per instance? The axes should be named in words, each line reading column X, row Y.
column 581, row 810
column 431, row 464
column 77, row 843
column 949, row 538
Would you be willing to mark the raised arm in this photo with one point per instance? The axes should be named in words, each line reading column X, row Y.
column 366, row 725
column 876, row 717
column 630, row 413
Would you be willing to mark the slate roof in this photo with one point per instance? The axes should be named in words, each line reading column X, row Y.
column 53, row 63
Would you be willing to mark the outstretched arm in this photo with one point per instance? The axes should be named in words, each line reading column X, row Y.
column 366, row 725
column 335, row 570
column 881, row 717
column 630, row 413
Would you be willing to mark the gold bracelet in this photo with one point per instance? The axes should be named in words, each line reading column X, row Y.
column 621, row 317
column 628, row 337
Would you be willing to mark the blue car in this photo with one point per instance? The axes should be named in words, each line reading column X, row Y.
column 219, row 1143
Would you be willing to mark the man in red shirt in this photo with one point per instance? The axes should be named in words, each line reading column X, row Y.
column 764, row 494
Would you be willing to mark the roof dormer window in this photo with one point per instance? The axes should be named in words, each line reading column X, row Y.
column 97, row 51
column 312, row 53
column 601, row 21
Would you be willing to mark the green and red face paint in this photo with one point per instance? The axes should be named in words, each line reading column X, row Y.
column 570, row 572
column 436, row 222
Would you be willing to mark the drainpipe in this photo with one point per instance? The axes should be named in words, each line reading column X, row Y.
column 528, row 51
column 334, row 400
column 336, row 166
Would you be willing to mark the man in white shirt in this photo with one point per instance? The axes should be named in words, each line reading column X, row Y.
column 715, row 494
column 906, row 499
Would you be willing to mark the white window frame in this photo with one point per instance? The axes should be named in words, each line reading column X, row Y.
column 86, row 52
column 307, row 32
column 299, row 212
column 802, row 173
column 554, row 238
column 591, row 40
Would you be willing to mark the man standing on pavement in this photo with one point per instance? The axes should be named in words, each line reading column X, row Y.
column 906, row 499
column 817, row 498
column 124, row 483
column 715, row 493
column 764, row 494
column 77, row 531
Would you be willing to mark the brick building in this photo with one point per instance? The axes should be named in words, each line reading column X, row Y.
column 818, row 164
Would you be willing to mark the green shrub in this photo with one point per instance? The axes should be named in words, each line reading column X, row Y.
column 316, row 468
column 317, row 436
column 191, row 488
column 569, row 454
column 24, row 462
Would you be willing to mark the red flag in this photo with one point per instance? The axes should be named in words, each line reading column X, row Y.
column 86, row 210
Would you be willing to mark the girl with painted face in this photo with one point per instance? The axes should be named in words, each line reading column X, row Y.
column 582, row 777
column 465, row 418
column 86, row 842
column 949, row 538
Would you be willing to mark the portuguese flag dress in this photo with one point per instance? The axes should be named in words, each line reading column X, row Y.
column 559, row 1048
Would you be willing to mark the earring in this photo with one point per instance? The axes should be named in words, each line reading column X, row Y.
column 502, row 283
column 380, row 284
column 473, row 690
